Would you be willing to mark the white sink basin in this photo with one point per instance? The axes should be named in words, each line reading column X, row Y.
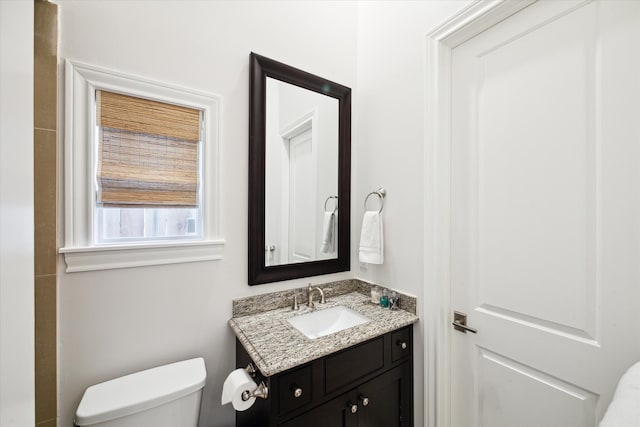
column 328, row 321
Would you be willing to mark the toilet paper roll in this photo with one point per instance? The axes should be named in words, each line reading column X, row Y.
column 237, row 382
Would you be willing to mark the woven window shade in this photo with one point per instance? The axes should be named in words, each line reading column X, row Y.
column 148, row 152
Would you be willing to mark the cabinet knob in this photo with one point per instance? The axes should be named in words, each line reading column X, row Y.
column 402, row 344
column 364, row 400
column 353, row 408
column 297, row 392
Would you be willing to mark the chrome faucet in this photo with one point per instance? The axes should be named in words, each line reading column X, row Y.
column 310, row 291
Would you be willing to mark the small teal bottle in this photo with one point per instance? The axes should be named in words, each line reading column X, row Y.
column 384, row 299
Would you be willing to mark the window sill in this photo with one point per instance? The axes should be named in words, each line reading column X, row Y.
column 138, row 255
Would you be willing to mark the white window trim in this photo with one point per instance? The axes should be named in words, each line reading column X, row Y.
column 80, row 252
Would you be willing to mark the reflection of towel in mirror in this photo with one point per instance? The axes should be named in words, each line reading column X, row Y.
column 371, row 238
column 328, row 233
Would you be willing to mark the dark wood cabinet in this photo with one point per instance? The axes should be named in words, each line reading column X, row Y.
column 367, row 385
column 388, row 399
column 335, row 413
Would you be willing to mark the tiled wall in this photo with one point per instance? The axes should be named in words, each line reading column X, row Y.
column 45, row 190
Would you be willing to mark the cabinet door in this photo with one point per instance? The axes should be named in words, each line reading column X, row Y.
column 334, row 413
column 388, row 399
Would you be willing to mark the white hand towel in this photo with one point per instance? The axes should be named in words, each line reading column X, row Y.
column 328, row 233
column 371, row 238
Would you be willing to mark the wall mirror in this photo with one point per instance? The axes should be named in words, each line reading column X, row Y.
column 299, row 173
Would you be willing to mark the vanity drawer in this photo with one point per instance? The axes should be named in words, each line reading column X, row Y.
column 400, row 344
column 347, row 366
column 294, row 389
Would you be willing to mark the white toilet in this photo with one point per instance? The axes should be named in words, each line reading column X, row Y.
column 165, row 396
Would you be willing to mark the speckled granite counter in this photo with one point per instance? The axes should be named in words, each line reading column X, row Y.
column 275, row 345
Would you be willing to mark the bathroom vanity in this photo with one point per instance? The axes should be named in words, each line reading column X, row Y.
column 369, row 384
column 359, row 376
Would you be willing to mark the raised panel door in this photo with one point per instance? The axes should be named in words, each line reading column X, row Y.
column 545, row 191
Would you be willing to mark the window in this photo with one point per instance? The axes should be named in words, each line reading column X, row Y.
column 142, row 172
column 147, row 170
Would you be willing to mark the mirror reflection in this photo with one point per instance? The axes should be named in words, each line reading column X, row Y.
column 301, row 174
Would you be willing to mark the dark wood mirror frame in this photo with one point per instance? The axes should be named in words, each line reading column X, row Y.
column 259, row 273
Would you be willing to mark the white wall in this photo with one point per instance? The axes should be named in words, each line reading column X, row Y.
column 16, row 215
column 390, row 106
column 119, row 321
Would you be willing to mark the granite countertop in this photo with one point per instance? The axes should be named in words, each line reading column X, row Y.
column 275, row 345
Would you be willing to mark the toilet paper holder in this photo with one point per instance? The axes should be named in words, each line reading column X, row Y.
column 262, row 391
column 251, row 370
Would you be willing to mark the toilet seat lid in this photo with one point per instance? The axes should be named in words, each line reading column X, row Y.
column 140, row 391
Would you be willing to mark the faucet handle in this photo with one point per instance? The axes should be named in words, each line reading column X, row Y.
column 295, row 303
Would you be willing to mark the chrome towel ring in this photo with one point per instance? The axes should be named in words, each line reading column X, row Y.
column 381, row 193
column 335, row 206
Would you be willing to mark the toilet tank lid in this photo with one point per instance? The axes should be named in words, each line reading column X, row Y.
column 140, row 391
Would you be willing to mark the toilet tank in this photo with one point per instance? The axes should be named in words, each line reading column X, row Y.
column 165, row 396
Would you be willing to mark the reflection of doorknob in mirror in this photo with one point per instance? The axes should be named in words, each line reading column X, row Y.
column 269, row 249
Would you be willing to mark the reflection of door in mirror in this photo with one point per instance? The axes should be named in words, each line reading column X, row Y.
column 301, row 172
column 301, row 231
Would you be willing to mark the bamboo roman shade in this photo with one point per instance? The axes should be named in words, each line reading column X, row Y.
column 148, row 152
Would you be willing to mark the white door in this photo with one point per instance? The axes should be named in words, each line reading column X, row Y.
column 302, row 202
column 545, row 199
